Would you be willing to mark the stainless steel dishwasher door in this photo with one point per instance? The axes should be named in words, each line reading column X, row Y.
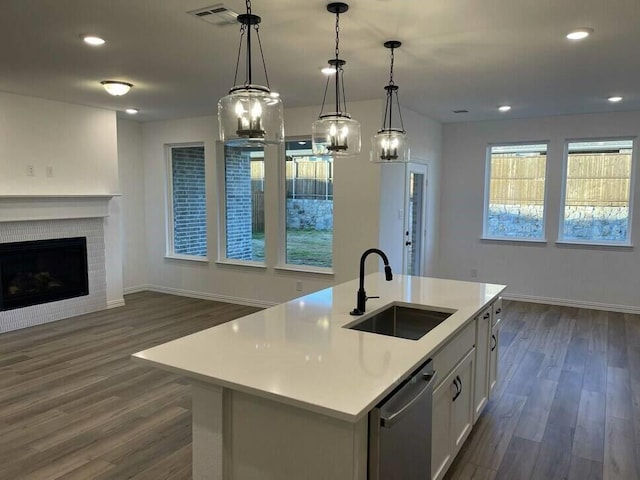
column 400, row 430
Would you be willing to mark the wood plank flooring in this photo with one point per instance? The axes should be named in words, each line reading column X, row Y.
column 567, row 405
column 74, row 406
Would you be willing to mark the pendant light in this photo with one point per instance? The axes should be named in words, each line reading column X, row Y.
column 336, row 133
column 390, row 145
column 251, row 115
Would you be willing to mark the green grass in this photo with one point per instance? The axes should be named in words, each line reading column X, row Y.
column 304, row 247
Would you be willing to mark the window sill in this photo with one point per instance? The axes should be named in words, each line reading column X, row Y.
column 514, row 240
column 304, row 269
column 577, row 243
column 241, row 263
column 188, row 258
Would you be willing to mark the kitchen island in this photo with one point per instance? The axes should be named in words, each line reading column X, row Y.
column 285, row 392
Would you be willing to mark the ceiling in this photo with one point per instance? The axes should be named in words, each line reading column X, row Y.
column 456, row 54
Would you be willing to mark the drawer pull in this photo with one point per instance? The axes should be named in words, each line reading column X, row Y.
column 495, row 342
column 486, row 315
column 498, row 311
column 458, row 389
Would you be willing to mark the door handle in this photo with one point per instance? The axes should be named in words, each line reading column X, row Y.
column 407, row 243
column 387, row 419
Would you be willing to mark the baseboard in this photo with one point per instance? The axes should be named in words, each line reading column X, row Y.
column 210, row 296
column 116, row 303
column 135, row 289
column 572, row 303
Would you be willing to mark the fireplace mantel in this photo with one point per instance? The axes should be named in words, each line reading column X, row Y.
column 18, row 208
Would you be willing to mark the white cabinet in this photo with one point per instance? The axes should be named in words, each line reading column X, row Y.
column 483, row 338
column 452, row 415
column 493, row 345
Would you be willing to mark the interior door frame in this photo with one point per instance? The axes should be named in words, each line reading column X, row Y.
column 420, row 169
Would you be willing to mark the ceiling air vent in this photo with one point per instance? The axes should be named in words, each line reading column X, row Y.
column 216, row 14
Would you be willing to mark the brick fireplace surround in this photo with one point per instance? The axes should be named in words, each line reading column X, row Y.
column 48, row 217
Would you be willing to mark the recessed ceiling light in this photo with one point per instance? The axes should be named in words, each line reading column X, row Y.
column 579, row 33
column 115, row 87
column 328, row 70
column 615, row 99
column 131, row 111
column 93, row 40
column 504, row 108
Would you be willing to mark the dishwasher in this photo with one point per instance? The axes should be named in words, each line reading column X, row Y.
column 400, row 430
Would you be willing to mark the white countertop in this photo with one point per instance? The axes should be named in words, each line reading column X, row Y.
column 297, row 353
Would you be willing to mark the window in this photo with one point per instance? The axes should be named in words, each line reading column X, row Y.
column 188, row 206
column 244, row 203
column 597, row 192
column 309, row 206
column 514, row 203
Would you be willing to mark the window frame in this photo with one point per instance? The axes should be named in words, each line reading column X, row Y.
column 282, row 247
column 487, row 194
column 565, row 167
column 169, row 213
column 222, row 258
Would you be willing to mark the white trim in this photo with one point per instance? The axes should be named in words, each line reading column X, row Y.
column 115, row 303
column 577, row 243
column 210, row 296
column 514, row 239
column 19, row 208
column 572, row 303
column 188, row 258
column 304, row 269
column 135, row 289
column 241, row 263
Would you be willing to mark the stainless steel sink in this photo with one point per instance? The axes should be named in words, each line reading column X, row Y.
column 402, row 322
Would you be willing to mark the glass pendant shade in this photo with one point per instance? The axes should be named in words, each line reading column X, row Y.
column 336, row 135
column 250, row 116
column 389, row 145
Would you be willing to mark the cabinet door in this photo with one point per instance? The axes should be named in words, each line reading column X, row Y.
column 493, row 357
column 441, row 440
column 483, row 334
column 462, row 405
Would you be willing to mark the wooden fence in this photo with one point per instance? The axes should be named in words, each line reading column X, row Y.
column 304, row 178
column 592, row 179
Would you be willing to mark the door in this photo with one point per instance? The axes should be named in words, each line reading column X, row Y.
column 415, row 218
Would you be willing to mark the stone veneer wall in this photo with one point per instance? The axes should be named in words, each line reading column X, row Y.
column 238, row 203
column 93, row 230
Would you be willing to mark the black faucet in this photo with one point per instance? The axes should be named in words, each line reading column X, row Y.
column 362, row 295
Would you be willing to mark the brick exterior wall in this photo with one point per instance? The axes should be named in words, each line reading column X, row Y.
column 238, row 203
column 189, row 201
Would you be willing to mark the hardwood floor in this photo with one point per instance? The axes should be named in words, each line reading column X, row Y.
column 567, row 405
column 74, row 406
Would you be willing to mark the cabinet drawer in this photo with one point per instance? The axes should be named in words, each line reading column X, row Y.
column 449, row 355
column 497, row 311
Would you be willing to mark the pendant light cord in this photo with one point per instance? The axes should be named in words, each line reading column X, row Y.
column 246, row 28
column 388, row 111
column 338, row 67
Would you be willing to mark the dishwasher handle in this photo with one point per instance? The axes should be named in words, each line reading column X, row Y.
column 389, row 418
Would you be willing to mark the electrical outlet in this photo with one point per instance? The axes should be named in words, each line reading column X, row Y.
column 49, row 171
column 474, row 273
column 31, row 171
column 298, row 285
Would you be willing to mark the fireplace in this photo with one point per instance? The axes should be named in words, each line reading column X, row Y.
column 42, row 271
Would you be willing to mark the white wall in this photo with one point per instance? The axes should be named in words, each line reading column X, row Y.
column 80, row 144
column 131, row 174
column 356, row 210
column 596, row 276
